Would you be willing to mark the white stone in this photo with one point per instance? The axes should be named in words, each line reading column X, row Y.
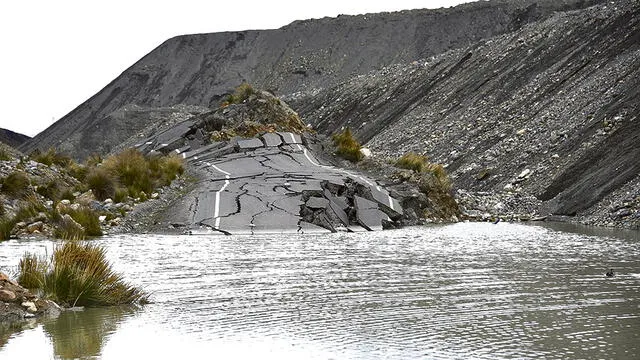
column 31, row 307
column 525, row 173
column 108, row 201
column 365, row 152
column 65, row 202
column 102, row 218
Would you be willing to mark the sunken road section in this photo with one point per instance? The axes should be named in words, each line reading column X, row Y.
column 270, row 184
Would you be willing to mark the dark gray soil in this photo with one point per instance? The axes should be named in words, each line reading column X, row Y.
column 12, row 139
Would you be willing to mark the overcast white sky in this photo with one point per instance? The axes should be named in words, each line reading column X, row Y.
column 57, row 54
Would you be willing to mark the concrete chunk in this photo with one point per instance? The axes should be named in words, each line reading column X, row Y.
column 368, row 214
column 271, row 140
column 290, row 138
column 249, row 144
column 342, row 216
column 317, row 203
column 387, row 202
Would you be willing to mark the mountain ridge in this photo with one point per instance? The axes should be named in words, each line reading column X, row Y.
column 201, row 69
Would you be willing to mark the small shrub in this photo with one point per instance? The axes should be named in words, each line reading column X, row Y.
column 94, row 160
column 121, row 195
column 79, row 275
column 6, row 227
column 16, row 185
column 347, row 146
column 77, row 171
column 413, row 161
column 51, row 190
column 241, row 93
column 51, row 157
column 166, row 168
column 67, row 194
column 66, row 228
column 131, row 169
column 4, row 155
column 88, row 219
column 101, row 183
column 31, row 271
column 29, row 208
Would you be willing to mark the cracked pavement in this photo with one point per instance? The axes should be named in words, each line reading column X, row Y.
column 272, row 184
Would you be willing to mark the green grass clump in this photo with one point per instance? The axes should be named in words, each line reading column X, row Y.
column 131, row 170
column 31, row 271
column 6, row 226
column 347, row 146
column 68, row 229
column 241, row 93
column 101, row 183
column 78, row 274
column 53, row 190
column 16, row 185
column 165, row 169
column 4, row 155
column 121, row 195
column 413, row 161
column 88, row 219
column 50, row 157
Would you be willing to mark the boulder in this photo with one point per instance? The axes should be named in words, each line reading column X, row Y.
column 7, row 295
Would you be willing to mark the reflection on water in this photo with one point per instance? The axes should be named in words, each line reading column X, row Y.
column 76, row 334
column 479, row 291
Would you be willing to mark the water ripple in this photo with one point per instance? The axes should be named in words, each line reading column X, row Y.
column 478, row 291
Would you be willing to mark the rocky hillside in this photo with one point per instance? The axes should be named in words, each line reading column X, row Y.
column 550, row 110
column 11, row 138
column 201, row 69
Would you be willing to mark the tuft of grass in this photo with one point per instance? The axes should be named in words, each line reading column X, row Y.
column 413, row 161
column 78, row 274
column 16, row 185
column 94, row 160
column 240, row 94
column 101, row 183
column 88, row 219
column 29, row 207
column 165, row 169
column 6, row 227
column 65, row 227
column 131, row 169
column 121, row 195
column 78, row 171
column 52, row 190
column 4, row 155
column 50, row 157
column 347, row 146
column 31, row 271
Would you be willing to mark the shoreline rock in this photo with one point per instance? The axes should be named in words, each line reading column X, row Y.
column 19, row 304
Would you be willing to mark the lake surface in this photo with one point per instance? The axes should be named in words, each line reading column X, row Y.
column 462, row 291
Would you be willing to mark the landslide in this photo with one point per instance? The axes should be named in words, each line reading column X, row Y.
column 550, row 110
column 313, row 54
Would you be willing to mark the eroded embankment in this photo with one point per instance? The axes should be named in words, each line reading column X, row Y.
column 548, row 112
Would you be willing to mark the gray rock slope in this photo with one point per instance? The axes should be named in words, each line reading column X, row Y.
column 550, row 110
column 12, row 139
column 199, row 69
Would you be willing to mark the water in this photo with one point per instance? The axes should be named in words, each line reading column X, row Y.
column 463, row 291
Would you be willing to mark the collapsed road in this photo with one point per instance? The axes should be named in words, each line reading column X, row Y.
column 270, row 184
